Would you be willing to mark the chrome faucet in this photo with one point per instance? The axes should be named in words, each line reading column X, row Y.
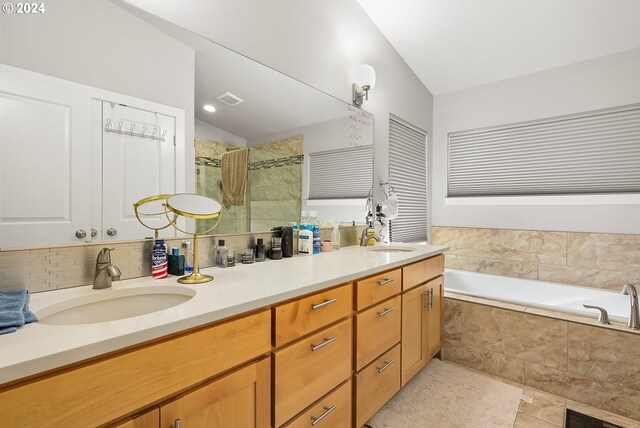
column 369, row 233
column 105, row 271
column 634, row 315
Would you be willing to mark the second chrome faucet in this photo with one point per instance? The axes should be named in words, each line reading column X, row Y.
column 634, row 315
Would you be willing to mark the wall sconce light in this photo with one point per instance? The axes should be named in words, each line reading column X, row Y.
column 364, row 79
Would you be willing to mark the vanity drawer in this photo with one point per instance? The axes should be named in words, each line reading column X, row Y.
column 302, row 316
column 377, row 329
column 336, row 406
column 422, row 271
column 309, row 368
column 374, row 289
column 96, row 393
column 376, row 384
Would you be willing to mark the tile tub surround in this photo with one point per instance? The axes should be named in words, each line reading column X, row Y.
column 53, row 268
column 584, row 363
column 590, row 259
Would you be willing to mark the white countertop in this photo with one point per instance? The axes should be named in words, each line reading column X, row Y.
column 37, row 347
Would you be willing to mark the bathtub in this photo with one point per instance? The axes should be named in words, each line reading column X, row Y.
column 541, row 294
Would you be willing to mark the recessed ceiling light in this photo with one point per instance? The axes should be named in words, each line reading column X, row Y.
column 209, row 108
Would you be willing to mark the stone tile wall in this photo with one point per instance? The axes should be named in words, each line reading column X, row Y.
column 46, row 269
column 589, row 259
column 592, row 365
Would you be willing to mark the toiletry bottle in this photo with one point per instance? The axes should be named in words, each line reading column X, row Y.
column 159, row 260
column 188, row 258
column 335, row 238
column 221, row 254
column 305, row 241
column 315, row 228
column 260, row 250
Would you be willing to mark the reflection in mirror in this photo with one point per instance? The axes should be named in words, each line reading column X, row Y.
column 85, row 150
column 255, row 133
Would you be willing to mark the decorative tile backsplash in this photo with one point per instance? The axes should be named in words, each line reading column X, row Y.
column 46, row 269
column 589, row 259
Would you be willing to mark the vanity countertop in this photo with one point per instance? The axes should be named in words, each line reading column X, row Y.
column 37, row 348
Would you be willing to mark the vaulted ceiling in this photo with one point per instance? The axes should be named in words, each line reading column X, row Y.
column 457, row 44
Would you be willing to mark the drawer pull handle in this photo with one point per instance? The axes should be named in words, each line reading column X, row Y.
column 327, row 411
column 385, row 312
column 323, row 344
column 323, row 304
column 177, row 424
column 426, row 299
column 431, row 299
column 386, row 281
column 386, row 364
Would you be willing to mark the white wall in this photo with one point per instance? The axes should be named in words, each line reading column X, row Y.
column 604, row 82
column 97, row 43
column 318, row 43
column 210, row 132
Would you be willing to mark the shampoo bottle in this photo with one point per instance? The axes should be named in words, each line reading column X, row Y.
column 305, row 241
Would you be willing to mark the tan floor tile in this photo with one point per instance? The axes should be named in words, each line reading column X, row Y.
column 525, row 421
column 546, row 407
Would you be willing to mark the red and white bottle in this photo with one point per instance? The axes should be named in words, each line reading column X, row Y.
column 159, row 267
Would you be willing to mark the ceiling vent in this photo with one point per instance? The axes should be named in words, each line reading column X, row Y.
column 229, row 99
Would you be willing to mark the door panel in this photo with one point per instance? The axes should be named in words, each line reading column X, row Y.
column 45, row 131
column 134, row 168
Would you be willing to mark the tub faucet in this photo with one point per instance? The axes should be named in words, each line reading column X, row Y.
column 105, row 271
column 634, row 316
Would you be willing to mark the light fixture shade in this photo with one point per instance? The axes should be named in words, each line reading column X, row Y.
column 208, row 107
column 364, row 75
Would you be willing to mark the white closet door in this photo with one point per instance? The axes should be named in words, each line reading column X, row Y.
column 45, row 131
column 134, row 168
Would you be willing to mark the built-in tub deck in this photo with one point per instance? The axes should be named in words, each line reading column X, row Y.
column 548, row 299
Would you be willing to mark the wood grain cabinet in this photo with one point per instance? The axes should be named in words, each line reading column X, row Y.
column 328, row 359
column 238, row 399
column 149, row 419
column 422, row 316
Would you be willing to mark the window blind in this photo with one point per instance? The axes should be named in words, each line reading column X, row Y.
column 341, row 174
column 594, row 152
column 408, row 175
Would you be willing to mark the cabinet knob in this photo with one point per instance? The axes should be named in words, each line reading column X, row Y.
column 81, row 233
column 112, row 232
column 94, row 233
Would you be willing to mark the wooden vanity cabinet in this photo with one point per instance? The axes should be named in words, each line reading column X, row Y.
column 238, row 399
column 422, row 315
column 149, row 419
column 99, row 392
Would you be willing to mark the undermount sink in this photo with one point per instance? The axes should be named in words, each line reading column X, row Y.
column 114, row 304
column 392, row 249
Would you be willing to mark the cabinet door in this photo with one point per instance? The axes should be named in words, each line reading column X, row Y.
column 133, row 168
column 435, row 315
column 45, row 161
column 239, row 399
column 150, row 419
column 415, row 335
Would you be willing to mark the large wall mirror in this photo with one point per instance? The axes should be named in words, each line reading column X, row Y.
column 254, row 153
